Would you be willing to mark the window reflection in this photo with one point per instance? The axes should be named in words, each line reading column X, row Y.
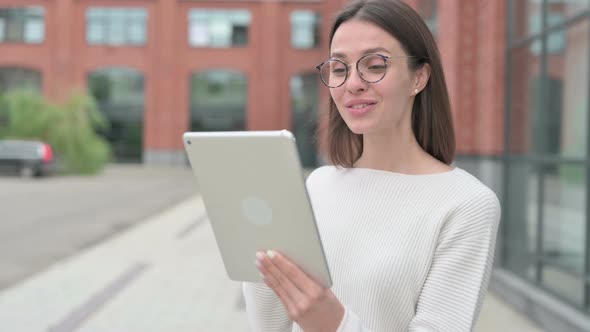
column 218, row 28
column 522, row 211
column 218, row 101
column 120, row 96
column 428, row 11
column 566, row 9
column 570, row 69
column 555, row 42
column 116, row 26
column 564, row 229
column 526, row 15
column 304, row 106
column 549, row 112
column 22, row 25
column 546, row 212
column 525, row 98
column 305, row 29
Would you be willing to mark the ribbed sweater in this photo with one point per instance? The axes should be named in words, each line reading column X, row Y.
column 406, row 252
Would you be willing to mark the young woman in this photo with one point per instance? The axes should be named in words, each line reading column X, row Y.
column 409, row 239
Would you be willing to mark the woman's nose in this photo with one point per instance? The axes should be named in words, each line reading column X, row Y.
column 355, row 83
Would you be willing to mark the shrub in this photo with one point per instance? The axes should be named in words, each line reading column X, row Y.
column 70, row 128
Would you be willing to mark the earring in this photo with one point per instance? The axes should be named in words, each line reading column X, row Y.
column 416, row 91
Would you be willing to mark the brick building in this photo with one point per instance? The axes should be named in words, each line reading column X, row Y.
column 154, row 51
column 517, row 73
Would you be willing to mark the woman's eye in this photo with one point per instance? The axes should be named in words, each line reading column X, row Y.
column 338, row 71
column 377, row 68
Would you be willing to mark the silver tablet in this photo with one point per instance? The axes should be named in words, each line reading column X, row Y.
column 254, row 192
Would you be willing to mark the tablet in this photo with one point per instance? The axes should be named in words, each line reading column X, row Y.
column 254, row 192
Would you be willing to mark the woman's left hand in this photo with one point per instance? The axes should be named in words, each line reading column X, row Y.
column 309, row 304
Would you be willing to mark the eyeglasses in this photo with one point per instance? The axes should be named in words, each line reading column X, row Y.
column 371, row 69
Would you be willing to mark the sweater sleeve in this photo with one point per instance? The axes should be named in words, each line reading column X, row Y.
column 264, row 309
column 455, row 286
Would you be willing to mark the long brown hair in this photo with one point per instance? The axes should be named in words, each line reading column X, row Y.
column 432, row 121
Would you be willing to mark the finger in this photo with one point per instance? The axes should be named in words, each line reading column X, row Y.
column 273, row 284
column 295, row 294
column 295, row 274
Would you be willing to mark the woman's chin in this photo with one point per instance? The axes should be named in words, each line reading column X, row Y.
column 359, row 128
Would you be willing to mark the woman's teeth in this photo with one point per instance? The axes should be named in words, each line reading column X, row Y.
column 359, row 106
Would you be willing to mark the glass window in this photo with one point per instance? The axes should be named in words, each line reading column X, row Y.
column 218, row 101
column 568, row 95
column 555, row 42
column 120, row 96
column 304, row 107
column 22, row 25
column 556, row 106
column 218, row 28
column 428, row 11
column 305, row 29
column 564, row 229
column 525, row 98
column 116, row 26
column 520, row 243
column 524, row 12
column 548, row 109
column 12, row 78
column 565, row 9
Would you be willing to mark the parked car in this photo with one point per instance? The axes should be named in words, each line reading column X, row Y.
column 27, row 158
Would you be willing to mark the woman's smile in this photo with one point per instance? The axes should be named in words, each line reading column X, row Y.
column 360, row 107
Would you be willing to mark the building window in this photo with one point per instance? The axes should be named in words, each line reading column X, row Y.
column 16, row 78
column 218, row 101
column 116, row 26
column 120, row 94
column 545, row 205
column 555, row 42
column 428, row 10
column 218, row 28
column 305, row 100
column 22, row 25
column 305, row 29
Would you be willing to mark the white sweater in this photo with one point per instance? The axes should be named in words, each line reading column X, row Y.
column 406, row 252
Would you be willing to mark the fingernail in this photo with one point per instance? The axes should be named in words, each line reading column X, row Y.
column 257, row 263
column 261, row 276
column 270, row 254
column 259, row 255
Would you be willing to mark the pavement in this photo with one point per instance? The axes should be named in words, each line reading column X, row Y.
column 48, row 219
column 161, row 274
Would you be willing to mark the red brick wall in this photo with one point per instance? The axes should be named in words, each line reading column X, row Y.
column 472, row 43
column 471, row 40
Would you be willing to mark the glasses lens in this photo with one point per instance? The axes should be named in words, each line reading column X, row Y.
column 333, row 73
column 372, row 68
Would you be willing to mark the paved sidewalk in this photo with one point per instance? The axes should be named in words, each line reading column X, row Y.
column 164, row 275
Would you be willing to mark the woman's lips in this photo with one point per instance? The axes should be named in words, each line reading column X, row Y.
column 361, row 109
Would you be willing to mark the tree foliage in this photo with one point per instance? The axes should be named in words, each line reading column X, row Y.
column 70, row 128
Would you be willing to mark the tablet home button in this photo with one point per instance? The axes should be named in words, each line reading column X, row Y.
column 256, row 210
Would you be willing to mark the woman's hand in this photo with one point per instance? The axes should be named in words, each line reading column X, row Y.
column 311, row 306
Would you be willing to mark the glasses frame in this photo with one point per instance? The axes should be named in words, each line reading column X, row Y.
column 347, row 66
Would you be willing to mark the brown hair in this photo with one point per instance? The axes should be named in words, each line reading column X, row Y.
column 432, row 121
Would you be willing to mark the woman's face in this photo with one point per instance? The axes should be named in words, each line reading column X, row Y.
column 369, row 108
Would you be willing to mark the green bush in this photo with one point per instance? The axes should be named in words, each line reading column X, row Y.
column 70, row 128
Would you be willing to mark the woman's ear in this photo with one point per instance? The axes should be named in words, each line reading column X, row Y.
column 421, row 77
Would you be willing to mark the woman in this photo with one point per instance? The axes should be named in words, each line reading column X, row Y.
column 409, row 239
